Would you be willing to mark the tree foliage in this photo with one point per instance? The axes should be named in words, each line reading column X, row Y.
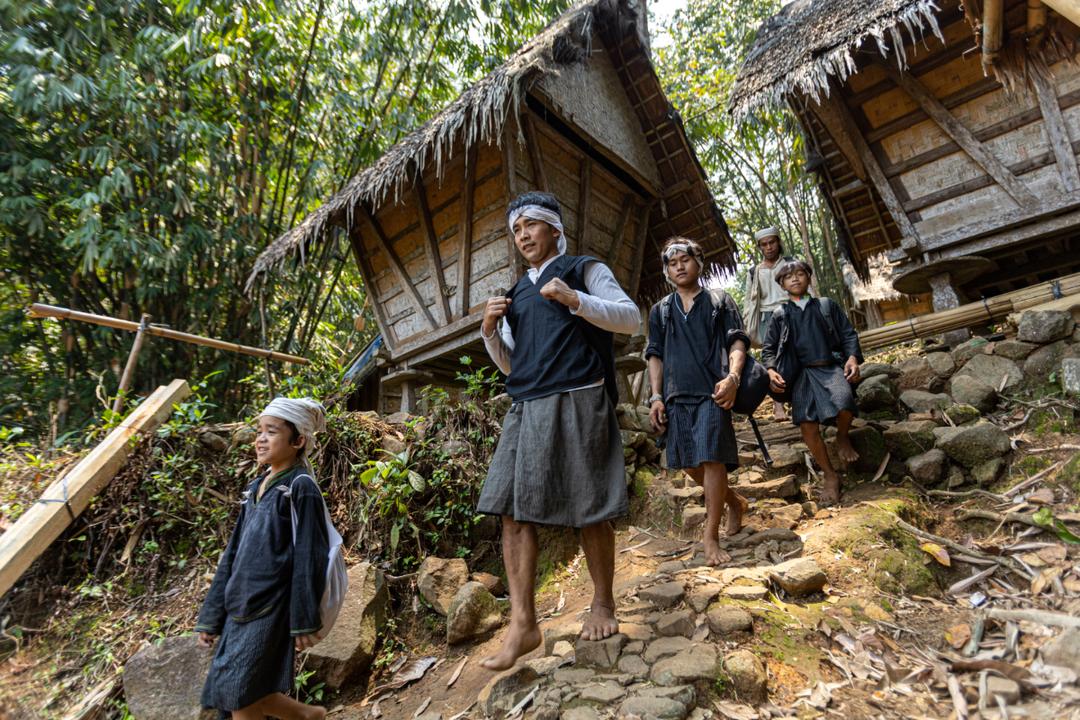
column 757, row 169
column 150, row 149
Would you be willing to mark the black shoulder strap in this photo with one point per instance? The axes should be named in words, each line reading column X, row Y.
column 599, row 340
column 826, row 312
column 665, row 311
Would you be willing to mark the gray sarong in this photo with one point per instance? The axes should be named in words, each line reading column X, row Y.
column 559, row 462
column 820, row 393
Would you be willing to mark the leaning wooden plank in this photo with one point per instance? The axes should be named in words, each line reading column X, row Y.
column 66, row 498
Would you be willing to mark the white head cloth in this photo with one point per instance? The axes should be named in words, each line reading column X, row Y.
column 308, row 415
column 535, row 212
column 766, row 232
column 693, row 250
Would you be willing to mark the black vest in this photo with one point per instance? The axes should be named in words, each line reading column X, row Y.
column 554, row 350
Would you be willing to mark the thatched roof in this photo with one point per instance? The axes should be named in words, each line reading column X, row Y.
column 481, row 113
column 810, row 41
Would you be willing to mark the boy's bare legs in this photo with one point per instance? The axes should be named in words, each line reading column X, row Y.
column 279, row 706
column 598, row 542
column 519, row 558
column 844, row 447
column 811, row 434
column 713, row 477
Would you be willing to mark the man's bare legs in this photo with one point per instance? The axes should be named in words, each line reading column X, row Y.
column 779, row 414
column 519, row 557
column 713, row 477
column 598, row 542
column 279, row 706
column 844, row 448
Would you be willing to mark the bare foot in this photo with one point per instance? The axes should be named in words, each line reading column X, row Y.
column 845, row 450
column 830, row 492
column 779, row 414
column 600, row 623
column 518, row 642
column 713, row 554
column 736, row 508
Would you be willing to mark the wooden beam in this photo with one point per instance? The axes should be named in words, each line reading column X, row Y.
column 1024, row 233
column 465, row 232
column 368, row 276
column 993, row 12
column 620, row 229
column 963, row 137
column 828, row 114
column 514, row 261
column 1057, row 132
column 459, row 327
column 1068, row 9
column 69, row 495
column 581, row 232
column 533, row 148
column 640, row 240
column 846, row 126
column 398, row 267
column 431, row 249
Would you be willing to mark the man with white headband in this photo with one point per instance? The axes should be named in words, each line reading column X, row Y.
column 559, row 461
column 696, row 354
column 763, row 294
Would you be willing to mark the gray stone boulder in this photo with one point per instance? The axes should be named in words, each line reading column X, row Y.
column 697, row 662
column 164, row 680
column 1064, row 650
column 870, row 445
column 962, row 413
column 506, row 689
column 350, row 647
column 677, row 622
column 727, row 619
column 918, row 374
column 663, row 595
column 439, row 579
column 1044, row 326
column 942, row 363
column 1070, row 376
column 969, row 349
column 970, row 390
column 798, row 576
column 909, row 437
column 1015, row 350
column 928, row 467
column 987, row 471
column 603, row 654
column 992, row 370
column 877, row 391
column 972, row 444
column 869, row 370
column 473, row 612
column 747, row 675
column 920, row 401
column 1044, row 361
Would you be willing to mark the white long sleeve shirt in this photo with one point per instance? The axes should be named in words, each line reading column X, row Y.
column 605, row 305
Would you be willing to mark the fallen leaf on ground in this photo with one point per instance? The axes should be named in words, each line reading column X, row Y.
column 958, row 635
column 937, row 552
column 735, row 711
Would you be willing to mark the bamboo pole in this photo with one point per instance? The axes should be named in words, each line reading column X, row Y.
column 1036, row 23
column 993, row 22
column 986, row 310
column 129, row 368
column 39, row 310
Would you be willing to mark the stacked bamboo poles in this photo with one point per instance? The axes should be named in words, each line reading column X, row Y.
column 984, row 311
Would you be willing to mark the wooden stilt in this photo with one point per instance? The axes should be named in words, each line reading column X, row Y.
column 129, row 368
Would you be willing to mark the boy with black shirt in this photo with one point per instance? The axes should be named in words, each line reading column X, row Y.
column 695, row 360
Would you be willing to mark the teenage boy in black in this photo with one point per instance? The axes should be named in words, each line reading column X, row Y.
column 817, row 337
column 695, row 362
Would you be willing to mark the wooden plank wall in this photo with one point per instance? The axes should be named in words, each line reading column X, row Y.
column 403, row 242
column 960, row 154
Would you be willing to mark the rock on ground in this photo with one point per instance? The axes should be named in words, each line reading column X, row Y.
column 920, row 401
column 969, row 349
column 908, row 438
column 350, row 647
column 875, row 392
column 602, row 654
column 1070, row 376
column 870, row 445
column 663, row 595
column 164, row 680
column 473, row 612
column 972, row 444
column 1041, row 363
column 505, row 689
column 942, row 363
column 799, row 576
column 870, row 369
column 992, row 370
column 972, row 391
column 1044, row 326
column 727, row 619
column 747, row 676
column 439, row 579
column 697, row 662
column 1015, row 350
column 918, row 374
column 987, row 471
column 927, row 467
column 1063, row 651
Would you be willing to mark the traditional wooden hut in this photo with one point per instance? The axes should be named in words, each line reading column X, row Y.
column 577, row 111
column 945, row 133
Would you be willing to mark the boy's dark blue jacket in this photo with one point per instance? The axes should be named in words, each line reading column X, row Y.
column 262, row 566
column 837, row 336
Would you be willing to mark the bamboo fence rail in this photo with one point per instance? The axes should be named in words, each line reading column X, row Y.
column 986, row 310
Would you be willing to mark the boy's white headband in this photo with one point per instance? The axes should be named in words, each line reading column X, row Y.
column 672, row 250
column 536, row 212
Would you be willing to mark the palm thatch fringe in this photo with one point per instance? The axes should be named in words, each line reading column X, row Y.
column 811, row 41
column 477, row 115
